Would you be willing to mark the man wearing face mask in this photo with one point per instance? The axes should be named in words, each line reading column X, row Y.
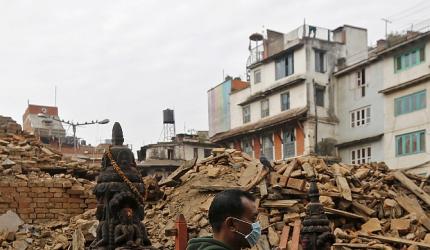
column 233, row 217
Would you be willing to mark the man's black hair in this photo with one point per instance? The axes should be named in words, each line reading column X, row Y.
column 228, row 203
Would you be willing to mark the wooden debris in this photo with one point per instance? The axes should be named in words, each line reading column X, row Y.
column 412, row 187
column 279, row 203
column 284, row 238
column 395, row 240
column 296, row 235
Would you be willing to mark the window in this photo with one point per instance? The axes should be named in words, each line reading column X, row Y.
column 320, row 61
column 285, row 101
column 268, row 147
column 410, row 103
column 409, row 59
column 246, row 113
column 196, row 153
column 319, row 96
column 361, row 82
column 411, row 143
column 289, row 143
column 247, row 146
column 170, row 154
column 264, row 108
column 361, row 155
column 360, row 117
column 257, row 76
column 207, row 152
column 284, row 66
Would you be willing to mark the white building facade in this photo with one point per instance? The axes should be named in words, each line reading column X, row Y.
column 289, row 108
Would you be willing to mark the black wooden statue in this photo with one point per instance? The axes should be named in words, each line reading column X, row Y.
column 119, row 193
column 316, row 233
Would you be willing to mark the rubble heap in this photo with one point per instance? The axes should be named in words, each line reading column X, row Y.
column 369, row 206
column 23, row 153
column 8, row 125
column 50, row 235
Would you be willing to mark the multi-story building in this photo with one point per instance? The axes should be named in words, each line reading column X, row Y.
column 289, row 107
column 163, row 158
column 360, row 109
column 382, row 104
column 44, row 128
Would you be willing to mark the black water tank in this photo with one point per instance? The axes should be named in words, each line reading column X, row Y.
column 168, row 116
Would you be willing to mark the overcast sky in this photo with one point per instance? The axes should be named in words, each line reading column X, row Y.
column 129, row 60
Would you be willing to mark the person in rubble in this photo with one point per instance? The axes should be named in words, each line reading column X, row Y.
column 233, row 217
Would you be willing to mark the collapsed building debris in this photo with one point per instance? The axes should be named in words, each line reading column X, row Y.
column 369, row 206
column 23, row 153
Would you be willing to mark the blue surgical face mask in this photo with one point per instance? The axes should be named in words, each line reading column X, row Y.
column 253, row 236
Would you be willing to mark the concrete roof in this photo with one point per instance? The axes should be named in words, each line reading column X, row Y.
column 261, row 124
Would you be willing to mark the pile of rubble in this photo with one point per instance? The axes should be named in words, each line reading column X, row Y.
column 369, row 206
column 52, row 235
column 8, row 125
column 23, row 153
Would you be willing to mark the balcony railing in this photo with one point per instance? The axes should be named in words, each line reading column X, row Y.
column 257, row 53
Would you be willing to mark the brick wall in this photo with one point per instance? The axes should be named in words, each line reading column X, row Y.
column 37, row 199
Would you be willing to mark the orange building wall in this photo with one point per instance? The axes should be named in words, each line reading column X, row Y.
column 300, row 141
column 237, row 145
column 278, row 145
column 257, row 147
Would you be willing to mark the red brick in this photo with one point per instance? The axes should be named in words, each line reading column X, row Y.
column 25, row 210
column 22, row 195
column 40, row 200
column 49, row 195
column 75, row 200
column 24, row 199
column 74, row 205
column 83, row 205
column 32, row 216
column 41, row 210
column 39, row 189
column 58, row 205
column 5, row 199
column 57, row 184
column 32, row 195
column 92, row 205
column 40, row 216
column 58, row 195
column 24, row 205
column 41, row 205
column 66, row 195
column 13, row 205
column 22, row 184
column 5, row 190
column 55, row 190
column 48, row 183
column 58, row 210
column 24, row 216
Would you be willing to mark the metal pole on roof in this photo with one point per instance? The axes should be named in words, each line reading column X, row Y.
column 386, row 24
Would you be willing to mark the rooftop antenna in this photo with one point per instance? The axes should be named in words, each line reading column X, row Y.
column 55, row 96
column 386, row 24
